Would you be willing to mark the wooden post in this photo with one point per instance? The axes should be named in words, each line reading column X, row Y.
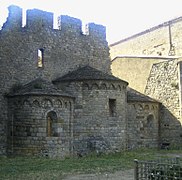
column 177, row 159
column 136, row 176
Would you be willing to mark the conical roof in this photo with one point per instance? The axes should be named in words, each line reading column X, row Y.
column 38, row 87
column 87, row 73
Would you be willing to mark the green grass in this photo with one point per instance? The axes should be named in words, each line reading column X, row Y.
column 46, row 168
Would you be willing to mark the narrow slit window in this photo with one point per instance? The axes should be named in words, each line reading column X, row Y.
column 112, row 107
column 40, row 58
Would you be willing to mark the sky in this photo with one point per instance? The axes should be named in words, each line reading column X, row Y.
column 122, row 18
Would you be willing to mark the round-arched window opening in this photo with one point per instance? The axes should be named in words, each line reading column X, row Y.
column 51, row 123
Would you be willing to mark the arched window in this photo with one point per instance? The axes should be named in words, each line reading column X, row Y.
column 52, row 124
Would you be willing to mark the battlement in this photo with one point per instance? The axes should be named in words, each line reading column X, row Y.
column 97, row 30
column 37, row 19
column 67, row 23
column 14, row 20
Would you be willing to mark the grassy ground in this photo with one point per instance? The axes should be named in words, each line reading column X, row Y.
column 45, row 168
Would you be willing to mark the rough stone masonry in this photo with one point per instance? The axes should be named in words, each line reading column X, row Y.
column 58, row 96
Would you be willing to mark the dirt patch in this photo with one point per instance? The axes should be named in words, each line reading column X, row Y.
column 119, row 175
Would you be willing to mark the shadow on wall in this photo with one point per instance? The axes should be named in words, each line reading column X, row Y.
column 170, row 130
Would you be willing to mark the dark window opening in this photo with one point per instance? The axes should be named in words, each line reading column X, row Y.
column 40, row 60
column 112, row 107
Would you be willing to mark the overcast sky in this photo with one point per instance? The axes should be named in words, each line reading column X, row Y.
column 122, row 18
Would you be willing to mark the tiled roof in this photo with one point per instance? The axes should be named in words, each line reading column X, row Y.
column 87, row 73
column 133, row 95
column 38, row 87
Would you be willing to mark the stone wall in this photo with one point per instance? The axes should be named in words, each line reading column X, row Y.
column 134, row 70
column 161, row 40
column 162, row 79
column 143, row 124
column 28, row 126
column 96, row 128
column 163, row 84
column 63, row 50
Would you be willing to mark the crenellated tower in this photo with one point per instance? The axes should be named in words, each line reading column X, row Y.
column 67, row 45
column 37, row 50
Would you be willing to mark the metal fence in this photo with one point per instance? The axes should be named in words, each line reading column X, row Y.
column 161, row 169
